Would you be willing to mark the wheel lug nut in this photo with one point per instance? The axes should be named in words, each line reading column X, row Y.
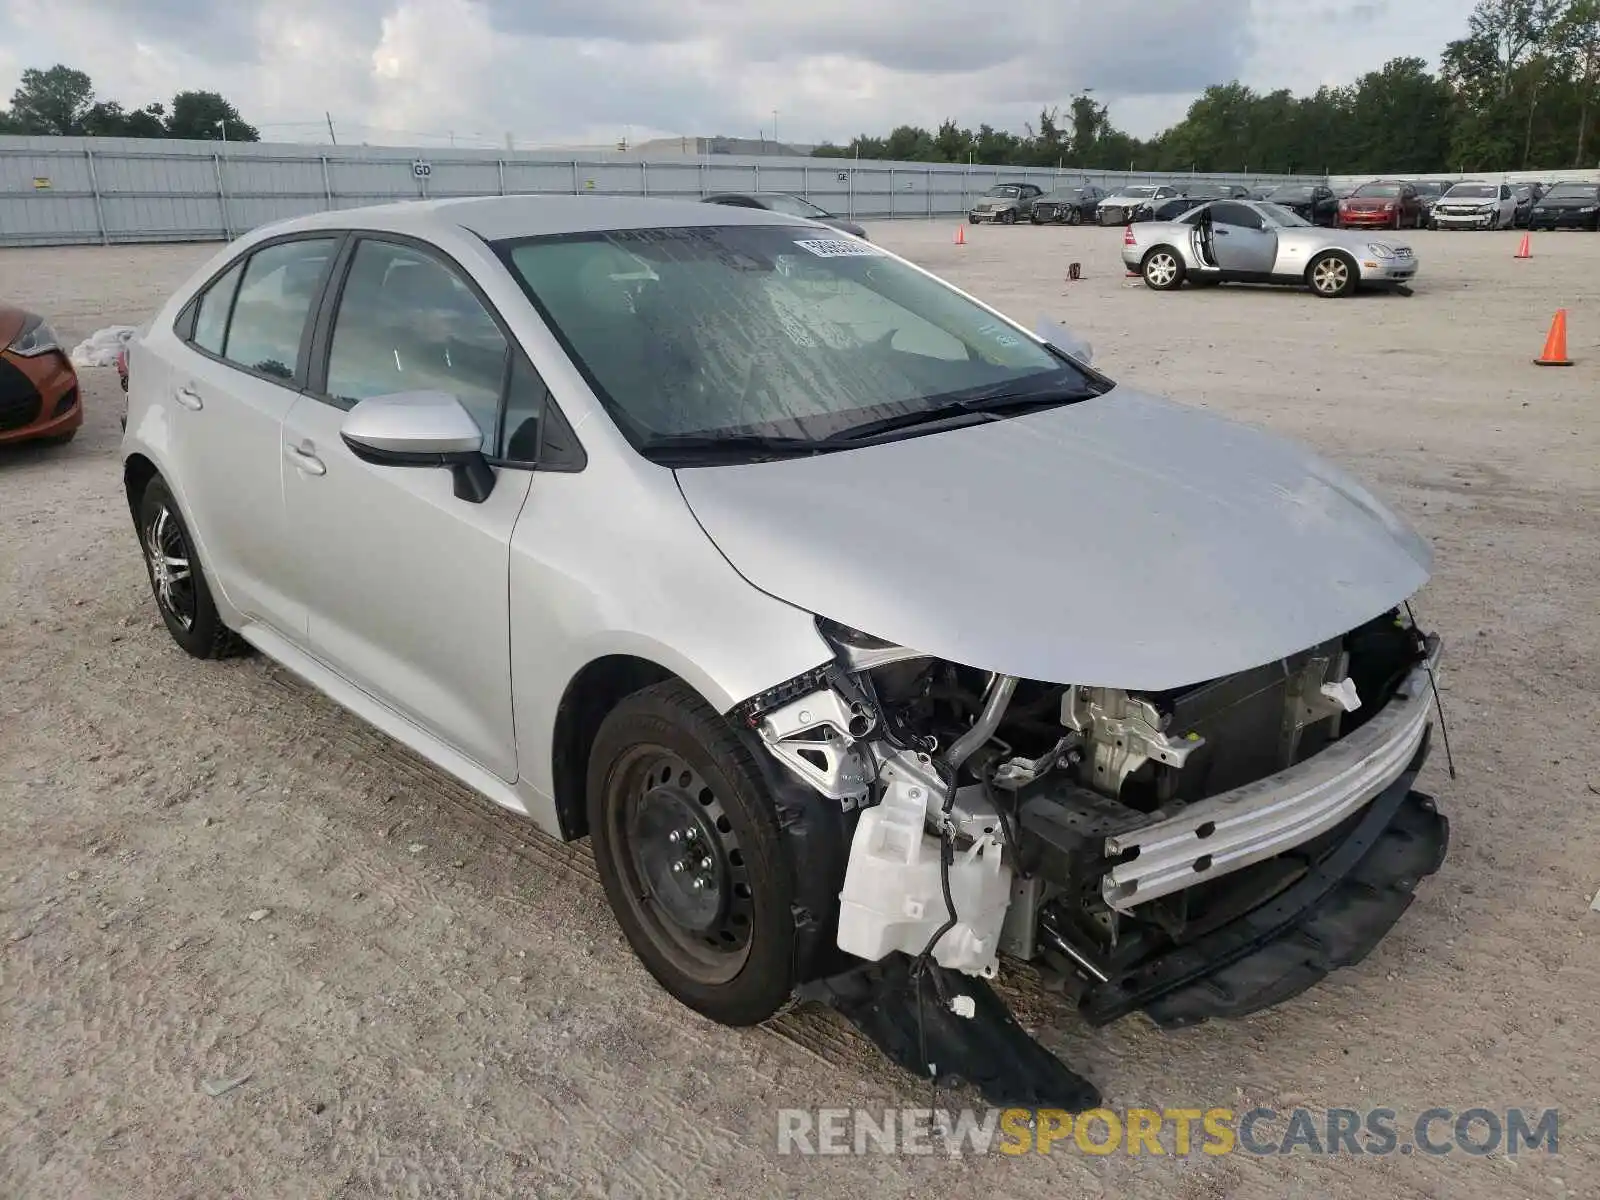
column 677, row 867
column 699, row 883
column 674, row 837
column 706, row 864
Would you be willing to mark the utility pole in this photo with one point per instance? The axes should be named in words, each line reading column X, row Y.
column 332, row 137
column 223, row 121
column 774, row 126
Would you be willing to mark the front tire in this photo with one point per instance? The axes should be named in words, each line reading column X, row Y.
column 1162, row 269
column 687, row 845
column 1333, row 275
column 1009, row 217
column 1074, row 217
column 178, row 580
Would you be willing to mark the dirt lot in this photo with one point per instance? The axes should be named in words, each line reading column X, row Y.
column 437, row 1001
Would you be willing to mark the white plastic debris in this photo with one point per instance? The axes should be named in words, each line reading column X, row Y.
column 1594, row 905
column 1343, row 694
column 220, row 1087
column 964, row 1006
column 260, row 914
column 100, row 348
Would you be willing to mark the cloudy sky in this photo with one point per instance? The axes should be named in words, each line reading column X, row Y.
column 589, row 71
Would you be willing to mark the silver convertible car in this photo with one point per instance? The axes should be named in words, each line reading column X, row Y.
column 1244, row 241
column 871, row 639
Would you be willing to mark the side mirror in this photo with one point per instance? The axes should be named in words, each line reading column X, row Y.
column 1064, row 340
column 421, row 429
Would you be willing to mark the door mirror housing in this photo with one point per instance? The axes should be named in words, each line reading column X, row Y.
column 1064, row 340
column 421, row 429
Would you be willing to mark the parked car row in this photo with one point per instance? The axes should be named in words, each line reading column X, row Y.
column 1377, row 204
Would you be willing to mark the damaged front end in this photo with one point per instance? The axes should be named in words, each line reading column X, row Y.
column 1201, row 851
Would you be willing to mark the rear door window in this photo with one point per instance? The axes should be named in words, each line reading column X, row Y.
column 211, row 322
column 275, row 296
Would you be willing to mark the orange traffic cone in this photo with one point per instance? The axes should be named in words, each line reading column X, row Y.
column 961, row 235
column 1526, row 249
column 1555, row 346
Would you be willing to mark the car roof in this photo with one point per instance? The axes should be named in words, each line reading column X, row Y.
column 496, row 217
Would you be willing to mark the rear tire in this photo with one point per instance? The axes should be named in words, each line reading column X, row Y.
column 178, row 579
column 1333, row 275
column 671, row 788
column 1162, row 269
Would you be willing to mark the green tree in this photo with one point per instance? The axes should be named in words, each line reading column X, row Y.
column 206, row 116
column 52, row 101
column 953, row 144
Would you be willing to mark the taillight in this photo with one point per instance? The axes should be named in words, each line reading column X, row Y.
column 1127, row 237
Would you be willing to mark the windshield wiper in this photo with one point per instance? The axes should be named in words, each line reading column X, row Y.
column 699, row 447
column 993, row 405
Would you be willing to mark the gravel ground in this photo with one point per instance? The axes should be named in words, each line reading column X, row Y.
column 207, row 870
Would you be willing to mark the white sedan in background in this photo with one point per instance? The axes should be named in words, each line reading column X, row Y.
column 1476, row 205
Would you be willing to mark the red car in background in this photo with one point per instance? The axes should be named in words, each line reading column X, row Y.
column 1382, row 204
column 38, row 387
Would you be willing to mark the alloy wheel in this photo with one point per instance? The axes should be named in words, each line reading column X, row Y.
column 1331, row 276
column 171, row 571
column 1161, row 270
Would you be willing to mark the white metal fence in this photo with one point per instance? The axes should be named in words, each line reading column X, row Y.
column 60, row 191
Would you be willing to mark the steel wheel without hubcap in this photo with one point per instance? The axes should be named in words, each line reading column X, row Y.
column 167, row 551
column 1331, row 276
column 679, row 857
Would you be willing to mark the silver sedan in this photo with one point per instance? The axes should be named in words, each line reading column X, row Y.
column 1240, row 241
column 675, row 527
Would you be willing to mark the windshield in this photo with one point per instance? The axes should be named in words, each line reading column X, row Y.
column 793, row 205
column 771, row 331
column 1377, row 189
column 1283, row 217
column 1587, row 191
column 1069, row 194
column 1007, row 190
column 1429, row 189
column 1296, row 194
column 1138, row 191
column 1473, row 191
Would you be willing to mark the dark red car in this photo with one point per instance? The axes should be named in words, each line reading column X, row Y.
column 1382, row 204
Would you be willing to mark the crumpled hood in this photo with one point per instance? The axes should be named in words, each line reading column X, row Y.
column 1125, row 541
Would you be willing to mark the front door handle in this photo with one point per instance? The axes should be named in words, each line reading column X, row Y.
column 189, row 398
column 305, row 461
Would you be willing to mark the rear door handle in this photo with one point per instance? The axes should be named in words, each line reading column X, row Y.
column 189, row 398
column 305, row 461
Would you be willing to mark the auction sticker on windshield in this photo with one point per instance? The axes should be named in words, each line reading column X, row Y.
column 838, row 248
